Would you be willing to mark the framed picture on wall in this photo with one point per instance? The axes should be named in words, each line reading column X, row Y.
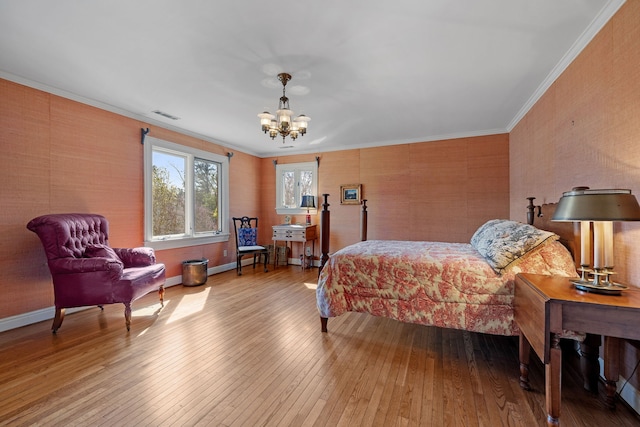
column 350, row 194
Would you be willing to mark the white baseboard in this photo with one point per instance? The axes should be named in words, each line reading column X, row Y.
column 48, row 313
column 36, row 316
column 24, row 319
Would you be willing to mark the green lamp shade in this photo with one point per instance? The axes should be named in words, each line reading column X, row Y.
column 583, row 204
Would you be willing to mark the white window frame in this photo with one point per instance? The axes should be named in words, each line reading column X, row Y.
column 189, row 239
column 296, row 168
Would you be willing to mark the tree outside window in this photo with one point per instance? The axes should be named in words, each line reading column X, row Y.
column 293, row 181
column 206, row 196
column 185, row 194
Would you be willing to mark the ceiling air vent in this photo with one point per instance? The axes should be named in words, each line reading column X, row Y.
column 167, row 115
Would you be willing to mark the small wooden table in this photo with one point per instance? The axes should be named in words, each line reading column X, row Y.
column 544, row 306
column 295, row 233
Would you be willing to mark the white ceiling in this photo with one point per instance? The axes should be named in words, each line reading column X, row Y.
column 367, row 72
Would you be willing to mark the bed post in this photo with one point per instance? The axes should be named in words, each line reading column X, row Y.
column 324, row 243
column 363, row 221
column 324, row 232
column 530, row 208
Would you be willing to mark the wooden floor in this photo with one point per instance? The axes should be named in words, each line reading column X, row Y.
column 248, row 351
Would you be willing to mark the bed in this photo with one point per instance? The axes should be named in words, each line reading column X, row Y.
column 467, row 286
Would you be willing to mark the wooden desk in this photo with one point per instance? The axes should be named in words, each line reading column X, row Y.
column 545, row 305
column 295, row 233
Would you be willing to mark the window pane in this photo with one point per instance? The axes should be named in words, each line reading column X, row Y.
column 306, row 181
column 288, row 189
column 293, row 180
column 168, row 194
column 206, row 178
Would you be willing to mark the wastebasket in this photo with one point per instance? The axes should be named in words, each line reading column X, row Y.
column 194, row 272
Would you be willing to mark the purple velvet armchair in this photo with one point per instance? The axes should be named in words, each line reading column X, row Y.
column 86, row 271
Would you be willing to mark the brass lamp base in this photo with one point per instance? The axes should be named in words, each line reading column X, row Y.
column 596, row 285
column 608, row 288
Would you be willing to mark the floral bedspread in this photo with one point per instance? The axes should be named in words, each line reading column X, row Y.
column 448, row 285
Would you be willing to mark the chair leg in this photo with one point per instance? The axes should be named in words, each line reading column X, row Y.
column 239, row 266
column 266, row 261
column 127, row 315
column 161, row 293
column 57, row 320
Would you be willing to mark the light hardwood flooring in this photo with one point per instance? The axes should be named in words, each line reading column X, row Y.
column 248, row 351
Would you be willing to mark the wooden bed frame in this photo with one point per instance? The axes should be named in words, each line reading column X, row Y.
column 569, row 234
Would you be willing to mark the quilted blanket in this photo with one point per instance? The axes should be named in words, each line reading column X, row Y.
column 449, row 285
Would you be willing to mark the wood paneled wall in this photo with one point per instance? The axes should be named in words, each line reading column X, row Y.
column 585, row 130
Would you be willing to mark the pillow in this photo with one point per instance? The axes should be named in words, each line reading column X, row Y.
column 501, row 242
column 247, row 236
column 101, row 251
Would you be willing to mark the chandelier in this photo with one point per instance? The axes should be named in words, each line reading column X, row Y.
column 281, row 123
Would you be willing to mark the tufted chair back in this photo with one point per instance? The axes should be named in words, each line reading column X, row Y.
column 86, row 271
column 67, row 235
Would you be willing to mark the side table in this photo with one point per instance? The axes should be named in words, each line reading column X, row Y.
column 295, row 233
column 544, row 306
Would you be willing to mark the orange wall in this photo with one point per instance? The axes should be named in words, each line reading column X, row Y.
column 62, row 156
column 442, row 190
column 585, row 130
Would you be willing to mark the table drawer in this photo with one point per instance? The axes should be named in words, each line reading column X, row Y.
column 290, row 235
column 294, row 233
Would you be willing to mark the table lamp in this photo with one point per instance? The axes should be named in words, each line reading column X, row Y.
column 308, row 201
column 601, row 207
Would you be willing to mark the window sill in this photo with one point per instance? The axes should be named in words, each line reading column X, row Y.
column 185, row 242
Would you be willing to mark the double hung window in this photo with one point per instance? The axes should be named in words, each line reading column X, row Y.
column 186, row 195
column 293, row 181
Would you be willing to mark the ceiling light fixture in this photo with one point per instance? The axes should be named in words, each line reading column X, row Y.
column 281, row 123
